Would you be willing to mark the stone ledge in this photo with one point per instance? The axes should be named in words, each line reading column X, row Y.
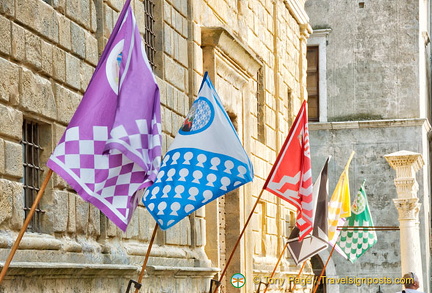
column 90, row 270
column 57, row 269
column 30, row 240
column 370, row 124
column 182, row 271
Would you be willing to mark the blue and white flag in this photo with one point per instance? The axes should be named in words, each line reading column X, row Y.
column 205, row 161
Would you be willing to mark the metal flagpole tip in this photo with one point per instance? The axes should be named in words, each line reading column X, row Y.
column 216, row 282
column 136, row 285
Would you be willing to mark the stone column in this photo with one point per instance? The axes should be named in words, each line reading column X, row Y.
column 407, row 203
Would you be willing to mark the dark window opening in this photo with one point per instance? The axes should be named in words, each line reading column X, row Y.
column 32, row 170
column 150, row 36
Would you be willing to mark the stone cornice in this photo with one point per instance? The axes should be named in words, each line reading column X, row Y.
column 298, row 12
column 371, row 124
column 321, row 32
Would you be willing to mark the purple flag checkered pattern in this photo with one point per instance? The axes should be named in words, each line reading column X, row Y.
column 112, row 146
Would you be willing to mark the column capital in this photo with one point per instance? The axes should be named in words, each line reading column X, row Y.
column 408, row 208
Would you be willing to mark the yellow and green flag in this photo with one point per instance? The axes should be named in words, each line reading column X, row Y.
column 355, row 243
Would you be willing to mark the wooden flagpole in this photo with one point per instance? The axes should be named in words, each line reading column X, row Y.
column 147, row 256
column 323, row 270
column 277, row 264
column 25, row 225
column 300, row 272
column 238, row 242
column 301, row 269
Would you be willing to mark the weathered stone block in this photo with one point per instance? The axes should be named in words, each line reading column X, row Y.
column 118, row 4
column 94, row 221
column 71, row 225
column 2, row 156
column 183, row 53
column 10, row 122
column 86, row 74
column 58, row 212
column 65, row 39
column 200, row 232
column 9, row 87
column 112, row 229
column 5, row 202
column 169, row 40
column 167, row 12
column 59, row 64
column 139, row 16
column 49, row 22
column 132, row 230
column 79, row 11
column 67, row 102
column 18, row 42
column 108, row 22
column 7, row 7
column 59, row 5
column 146, row 223
column 166, row 116
column 37, row 94
column 47, row 58
column 5, row 33
column 94, row 18
column 14, row 159
column 91, row 49
column 78, row 40
column 18, row 213
column 177, row 76
column 26, row 12
column 179, row 234
column 181, row 6
column 72, row 69
column 81, row 215
column 33, row 49
column 40, row 16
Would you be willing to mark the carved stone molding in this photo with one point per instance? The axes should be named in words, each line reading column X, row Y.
column 408, row 208
column 406, row 165
column 228, row 47
column 406, row 187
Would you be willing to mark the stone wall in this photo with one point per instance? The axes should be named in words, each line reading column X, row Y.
column 375, row 60
column 48, row 52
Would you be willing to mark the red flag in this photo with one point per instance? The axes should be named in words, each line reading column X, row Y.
column 291, row 175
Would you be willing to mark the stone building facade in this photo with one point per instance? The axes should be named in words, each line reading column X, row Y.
column 255, row 53
column 374, row 98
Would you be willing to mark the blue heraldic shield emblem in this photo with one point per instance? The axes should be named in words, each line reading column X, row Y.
column 205, row 161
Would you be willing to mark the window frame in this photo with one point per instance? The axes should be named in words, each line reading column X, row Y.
column 319, row 38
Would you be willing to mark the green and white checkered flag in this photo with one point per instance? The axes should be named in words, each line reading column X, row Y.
column 355, row 243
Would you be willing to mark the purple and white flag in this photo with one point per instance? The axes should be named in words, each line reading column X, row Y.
column 112, row 146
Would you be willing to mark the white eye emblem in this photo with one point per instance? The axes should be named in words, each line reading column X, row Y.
column 113, row 66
